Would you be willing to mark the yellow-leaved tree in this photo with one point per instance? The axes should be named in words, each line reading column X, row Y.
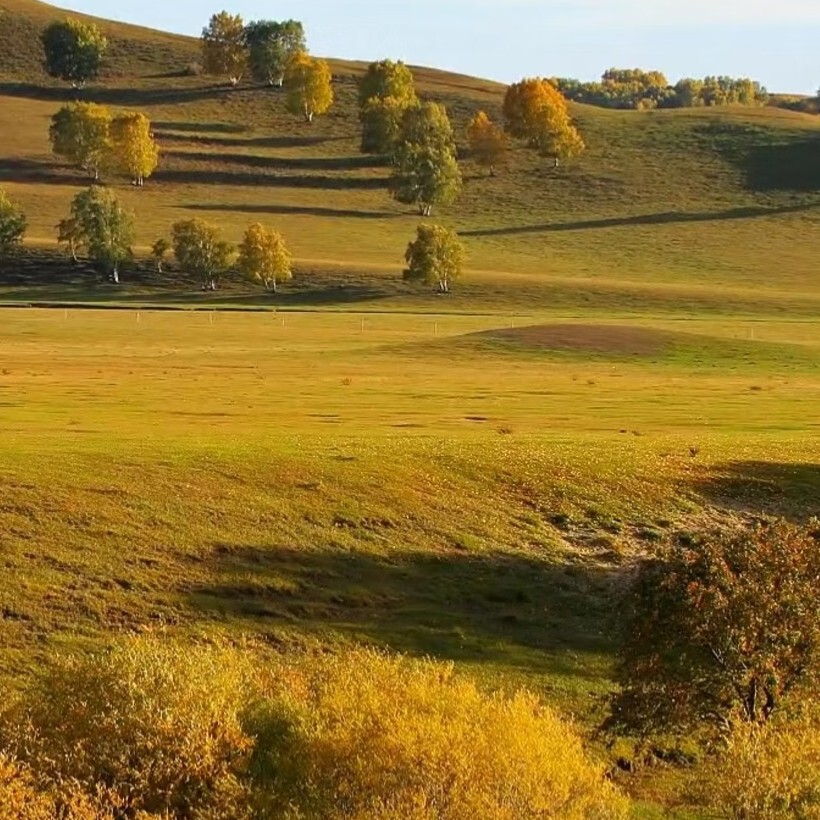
column 264, row 257
column 224, row 48
column 308, row 84
column 536, row 111
column 133, row 149
column 81, row 133
column 488, row 142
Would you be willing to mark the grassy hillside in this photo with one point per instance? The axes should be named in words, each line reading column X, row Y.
column 634, row 352
column 692, row 199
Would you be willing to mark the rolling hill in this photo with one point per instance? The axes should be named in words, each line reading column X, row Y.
column 717, row 205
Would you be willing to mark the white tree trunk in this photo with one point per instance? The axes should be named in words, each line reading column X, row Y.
column 115, row 274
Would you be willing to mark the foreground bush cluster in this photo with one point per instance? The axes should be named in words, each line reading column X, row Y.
column 149, row 729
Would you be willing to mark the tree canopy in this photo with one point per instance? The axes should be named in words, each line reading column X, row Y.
column 81, row 132
column 425, row 168
column 271, row 45
column 104, row 227
column 224, row 51
column 200, row 250
column 488, row 143
column 264, row 257
column 73, row 51
column 133, row 149
column 386, row 91
column 534, row 110
column 308, row 84
column 435, row 257
column 722, row 629
column 12, row 224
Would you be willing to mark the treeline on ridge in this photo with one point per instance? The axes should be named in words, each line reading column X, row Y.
column 643, row 90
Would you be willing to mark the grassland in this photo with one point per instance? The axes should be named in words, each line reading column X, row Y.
column 634, row 351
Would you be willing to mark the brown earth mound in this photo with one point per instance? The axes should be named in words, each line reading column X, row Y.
column 622, row 340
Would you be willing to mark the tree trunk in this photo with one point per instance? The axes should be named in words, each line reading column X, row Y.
column 115, row 274
column 308, row 115
column 492, row 170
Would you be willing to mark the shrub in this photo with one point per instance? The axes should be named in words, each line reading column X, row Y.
column 156, row 726
column 768, row 772
column 365, row 736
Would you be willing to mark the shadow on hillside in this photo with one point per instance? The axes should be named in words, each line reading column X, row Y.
column 773, row 488
column 666, row 218
column 239, row 178
column 296, row 210
column 301, row 141
column 200, row 127
column 282, row 163
column 26, row 170
column 482, row 608
column 770, row 160
column 134, row 97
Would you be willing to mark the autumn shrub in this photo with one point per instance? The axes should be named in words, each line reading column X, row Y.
column 153, row 725
column 362, row 735
column 767, row 772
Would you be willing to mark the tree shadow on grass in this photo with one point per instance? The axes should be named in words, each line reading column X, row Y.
column 135, row 97
column 763, row 487
column 27, row 170
column 496, row 608
column 182, row 176
column 297, row 210
column 283, row 163
column 666, row 218
column 289, row 141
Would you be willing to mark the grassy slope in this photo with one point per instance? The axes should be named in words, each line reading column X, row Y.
column 435, row 477
column 680, row 199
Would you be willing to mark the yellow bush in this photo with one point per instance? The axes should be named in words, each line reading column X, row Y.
column 368, row 737
column 153, row 726
column 768, row 772
column 19, row 798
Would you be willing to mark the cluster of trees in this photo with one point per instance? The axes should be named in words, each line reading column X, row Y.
column 643, row 90
column 419, row 139
column 100, row 227
column 275, row 53
column 93, row 139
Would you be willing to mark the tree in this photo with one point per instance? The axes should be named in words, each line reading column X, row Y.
column 263, row 256
column 12, row 224
column 386, row 91
column 81, row 133
column 133, row 149
column 271, row 46
column 435, row 257
column 534, row 110
column 721, row 630
column 68, row 233
column 104, row 227
column 73, row 51
column 198, row 249
column 425, row 169
column 308, row 83
column 488, row 142
column 223, row 47
column 159, row 250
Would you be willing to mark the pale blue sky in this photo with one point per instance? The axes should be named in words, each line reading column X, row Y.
column 774, row 41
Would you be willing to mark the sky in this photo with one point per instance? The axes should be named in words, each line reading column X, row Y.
column 773, row 41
